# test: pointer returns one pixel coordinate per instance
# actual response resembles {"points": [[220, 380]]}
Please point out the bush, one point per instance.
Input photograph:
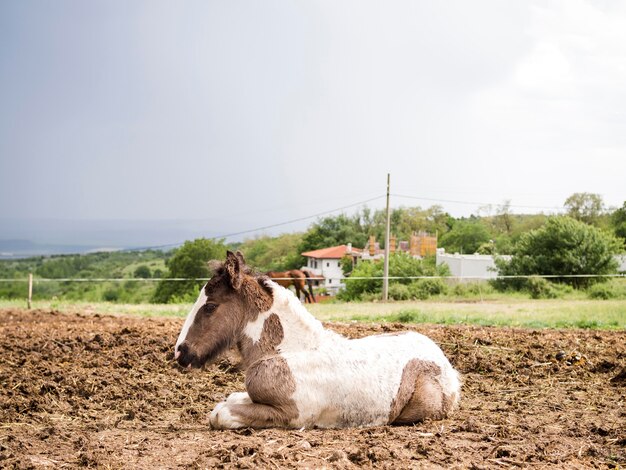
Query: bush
{"points": [[111, 295], [400, 264], [407, 317], [540, 288], [562, 289], [601, 291], [614, 289], [369, 297], [562, 246], [143, 272], [399, 292], [422, 289], [472, 289]]}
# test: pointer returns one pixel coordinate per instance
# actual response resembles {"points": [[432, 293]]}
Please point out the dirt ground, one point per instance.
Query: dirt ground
{"points": [[82, 390]]}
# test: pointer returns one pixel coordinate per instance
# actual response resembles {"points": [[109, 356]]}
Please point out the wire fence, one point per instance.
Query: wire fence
{"points": [[351, 278], [31, 281]]}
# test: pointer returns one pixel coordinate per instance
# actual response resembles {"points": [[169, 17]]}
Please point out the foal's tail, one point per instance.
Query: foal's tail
{"points": [[309, 283]]}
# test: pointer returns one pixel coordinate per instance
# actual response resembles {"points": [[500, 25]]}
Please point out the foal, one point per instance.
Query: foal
{"points": [[298, 373]]}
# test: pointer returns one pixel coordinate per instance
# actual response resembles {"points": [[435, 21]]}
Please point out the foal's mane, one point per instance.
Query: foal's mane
{"points": [[255, 287], [216, 269]]}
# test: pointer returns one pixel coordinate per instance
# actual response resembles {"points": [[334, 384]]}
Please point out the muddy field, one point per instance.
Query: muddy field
{"points": [[103, 391]]}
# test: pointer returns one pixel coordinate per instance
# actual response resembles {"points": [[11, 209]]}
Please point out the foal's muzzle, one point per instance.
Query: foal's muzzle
{"points": [[182, 355], [187, 358]]}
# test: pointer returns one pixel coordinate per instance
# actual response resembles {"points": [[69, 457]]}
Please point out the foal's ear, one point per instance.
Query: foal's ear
{"points": [[239, 255], [234, 270]]}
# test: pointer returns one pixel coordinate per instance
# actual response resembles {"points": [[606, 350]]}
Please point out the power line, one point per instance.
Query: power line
{"points": [[280, 224], [474, 203], [301, 218]]}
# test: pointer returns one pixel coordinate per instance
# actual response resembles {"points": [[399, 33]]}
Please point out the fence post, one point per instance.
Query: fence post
{"points": [[30, 289]]}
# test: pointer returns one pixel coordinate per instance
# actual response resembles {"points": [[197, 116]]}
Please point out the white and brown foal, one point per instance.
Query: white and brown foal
{"points": [[299, 374]]}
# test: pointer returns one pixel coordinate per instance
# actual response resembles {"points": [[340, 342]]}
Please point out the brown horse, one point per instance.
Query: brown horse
{"points": [[296, 278]]}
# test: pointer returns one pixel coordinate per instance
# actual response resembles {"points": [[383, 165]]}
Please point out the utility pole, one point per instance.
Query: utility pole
{"points": [[30, 290], [386, 271]]}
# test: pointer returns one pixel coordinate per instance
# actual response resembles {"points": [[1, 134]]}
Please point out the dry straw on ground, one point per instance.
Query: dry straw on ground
{"points": [[103, 391]]}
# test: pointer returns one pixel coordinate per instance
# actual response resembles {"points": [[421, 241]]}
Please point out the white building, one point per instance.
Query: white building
{"points": [[482, 266], [473, 266], [327, 264]]}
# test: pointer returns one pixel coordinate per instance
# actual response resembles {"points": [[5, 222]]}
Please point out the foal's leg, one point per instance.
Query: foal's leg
{"points": [[270, 388], [254, 415], [420, 395], [427, 401], [238, 398]]}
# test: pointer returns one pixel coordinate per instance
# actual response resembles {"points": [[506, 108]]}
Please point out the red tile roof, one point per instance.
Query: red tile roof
{"points": [[334, 252]]}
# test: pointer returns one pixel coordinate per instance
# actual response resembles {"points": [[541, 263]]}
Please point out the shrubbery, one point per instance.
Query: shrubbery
{"points": [[540, 288], [472, 289], [142, 272], [610, 290], [81, 266], [400, 265], [563, 246], [399, 292], [422, 289], [601, 291]]}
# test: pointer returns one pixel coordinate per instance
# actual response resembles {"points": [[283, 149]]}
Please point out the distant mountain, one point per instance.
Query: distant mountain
{"points": [[16, 245], [12, 249], [28, 237]]}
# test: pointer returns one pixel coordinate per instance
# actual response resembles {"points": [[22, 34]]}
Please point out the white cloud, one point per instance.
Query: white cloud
{"points": [[558, 120]]}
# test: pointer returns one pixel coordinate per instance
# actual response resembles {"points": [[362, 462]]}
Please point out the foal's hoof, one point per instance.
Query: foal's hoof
{"points": [[239, 398], [221, 418]]}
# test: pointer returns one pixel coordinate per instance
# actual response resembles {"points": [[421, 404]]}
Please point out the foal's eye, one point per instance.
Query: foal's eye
{"points": [[209, 308]]}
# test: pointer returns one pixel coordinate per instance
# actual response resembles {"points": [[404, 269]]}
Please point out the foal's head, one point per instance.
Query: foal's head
{"points": [[231, 298]]}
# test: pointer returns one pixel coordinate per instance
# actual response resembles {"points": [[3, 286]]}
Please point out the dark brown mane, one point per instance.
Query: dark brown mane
{"points": [[216, 268], [255, 286]]}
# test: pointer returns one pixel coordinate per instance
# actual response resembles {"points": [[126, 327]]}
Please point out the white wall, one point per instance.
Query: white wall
{"points": [[330, 269], [483, 265]]}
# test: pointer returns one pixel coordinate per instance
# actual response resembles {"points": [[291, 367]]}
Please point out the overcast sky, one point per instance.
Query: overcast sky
{"points": [[256, 112]]}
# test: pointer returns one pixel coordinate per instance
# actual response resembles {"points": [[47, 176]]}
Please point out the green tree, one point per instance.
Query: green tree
{"points": [[504, 219], [347, 265], [189, 261], [414, 219], [273, 253], [356, 229], [466, 236], [523, 223], [333, 231], [618, 221], [142, 271], [586, 207], [563, 246]]}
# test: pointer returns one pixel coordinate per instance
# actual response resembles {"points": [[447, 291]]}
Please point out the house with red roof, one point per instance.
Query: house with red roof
{"points": [[326, 263]]}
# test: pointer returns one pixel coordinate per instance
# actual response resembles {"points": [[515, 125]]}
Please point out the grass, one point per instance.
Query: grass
{"points": [[502, 311], [110, 308], [528, 313]]}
